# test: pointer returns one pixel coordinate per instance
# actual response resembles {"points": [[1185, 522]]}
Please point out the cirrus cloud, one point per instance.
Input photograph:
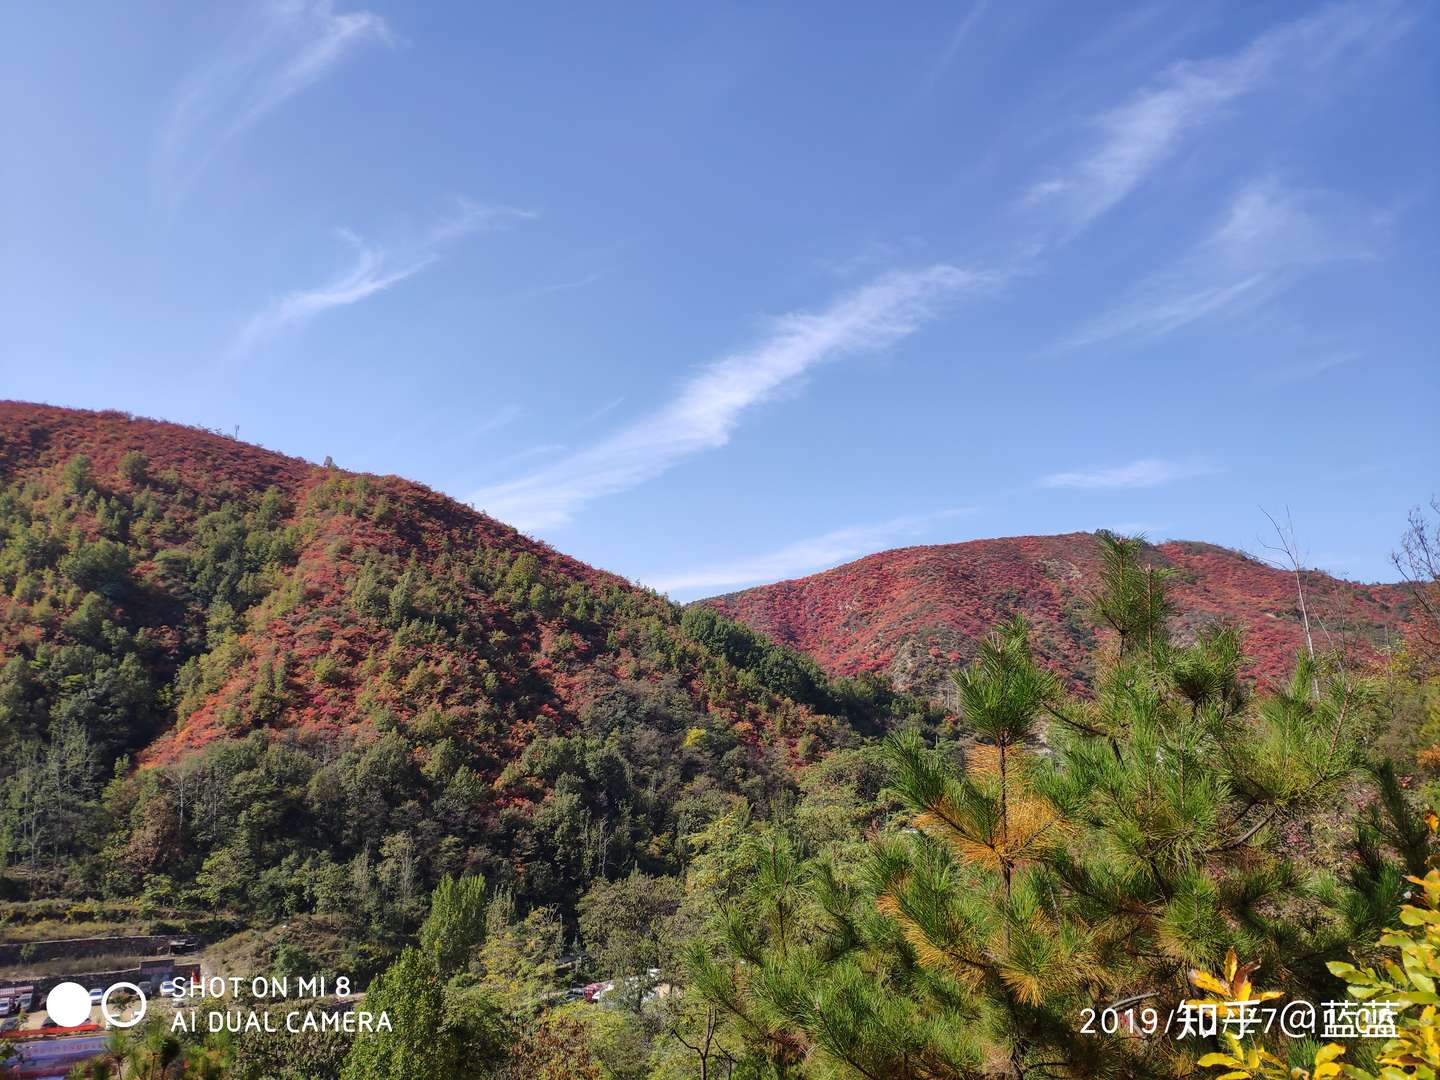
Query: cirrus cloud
{"points": [[709, 405], [804, 556], [1146, 472], [373, 270], [285, 47], [1136, 137]]}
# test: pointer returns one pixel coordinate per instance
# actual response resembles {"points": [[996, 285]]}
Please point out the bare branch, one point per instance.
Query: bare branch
{"points": [[1290, 550]]}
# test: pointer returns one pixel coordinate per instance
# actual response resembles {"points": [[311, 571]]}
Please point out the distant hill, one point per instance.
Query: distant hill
{"points": [[915, 613]]}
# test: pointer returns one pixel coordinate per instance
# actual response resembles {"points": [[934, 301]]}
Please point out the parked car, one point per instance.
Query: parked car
{"points": [[596, 990]]}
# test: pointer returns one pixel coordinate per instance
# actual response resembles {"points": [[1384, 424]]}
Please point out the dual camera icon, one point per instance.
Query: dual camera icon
{"points": [[69, 1004]]}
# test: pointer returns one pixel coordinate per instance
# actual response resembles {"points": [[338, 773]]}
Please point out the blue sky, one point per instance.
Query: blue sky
{"points": [[710, 295]]}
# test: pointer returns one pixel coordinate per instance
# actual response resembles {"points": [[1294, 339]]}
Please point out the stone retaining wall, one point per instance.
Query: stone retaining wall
{"points": [[25, 952]]}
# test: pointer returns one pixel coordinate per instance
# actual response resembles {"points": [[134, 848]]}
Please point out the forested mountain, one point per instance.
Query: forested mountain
{"points": [[340, 686], [560, 827], [916, 613]]}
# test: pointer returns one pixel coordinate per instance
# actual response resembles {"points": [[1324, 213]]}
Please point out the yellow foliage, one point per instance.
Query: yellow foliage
{"points": [[929, 953], [1407, 984], [1005, 833], [1234, 988], [1246, 1061], [1415, 1050]]}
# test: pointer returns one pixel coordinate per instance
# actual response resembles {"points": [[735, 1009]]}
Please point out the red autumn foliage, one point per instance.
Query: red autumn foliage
{"points": [[914, 613], [515, 641]]}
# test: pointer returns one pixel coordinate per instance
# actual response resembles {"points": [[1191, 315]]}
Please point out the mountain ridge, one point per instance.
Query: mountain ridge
{"points": [[914, 612]]}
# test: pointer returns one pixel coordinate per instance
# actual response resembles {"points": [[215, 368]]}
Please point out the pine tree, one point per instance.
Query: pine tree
{"points": [[1079, 852]]}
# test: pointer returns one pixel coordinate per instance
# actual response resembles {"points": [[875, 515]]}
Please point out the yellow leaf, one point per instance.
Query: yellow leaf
{"points": [[1205, 981], [1218, 1059], [1328, 1053]]}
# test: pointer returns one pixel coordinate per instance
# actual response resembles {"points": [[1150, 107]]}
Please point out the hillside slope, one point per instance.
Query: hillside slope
{"points": [[915, 613], [322, 673]]}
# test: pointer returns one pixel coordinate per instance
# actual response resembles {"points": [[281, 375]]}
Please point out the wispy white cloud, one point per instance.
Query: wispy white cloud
{"points": [[373, 270], [804, 556], [1146, 472], [874, 254], [1265, 241], [285, 47], [369, 274], [506, 414], [560, 286], [1133, 139], [424, 428], [529, 453], [957, 39], [609, 406], [709, 405], [1307, 369]]}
